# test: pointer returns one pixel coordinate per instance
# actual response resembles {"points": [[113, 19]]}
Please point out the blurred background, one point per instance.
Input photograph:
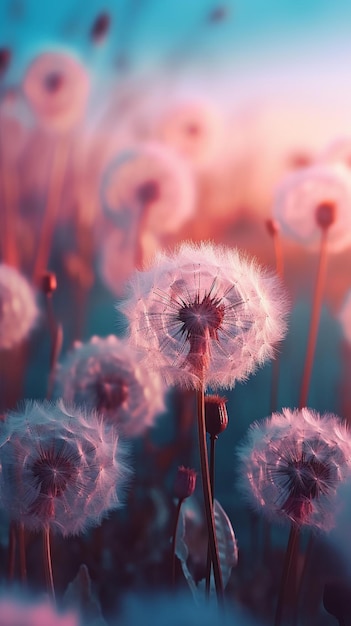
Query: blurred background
{"points": [[199, 109]]}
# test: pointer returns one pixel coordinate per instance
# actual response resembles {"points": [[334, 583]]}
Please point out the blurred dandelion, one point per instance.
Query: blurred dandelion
{"points": [[314, 205], [206, 312], [314, 198], [292, 464], [148, 189], [17, 611], [106, 374], [18, 308], [56, 86], [193, 129]]}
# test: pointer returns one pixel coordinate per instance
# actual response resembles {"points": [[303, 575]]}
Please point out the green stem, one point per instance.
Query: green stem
{"points": [[208, 494]]}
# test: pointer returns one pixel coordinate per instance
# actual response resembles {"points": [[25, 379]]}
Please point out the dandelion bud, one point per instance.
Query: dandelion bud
{"points": [[325, 214], [185, 482], [272, 227], [5, 58], [100, 27], [218, 14], [49, 283], [216, 416]]}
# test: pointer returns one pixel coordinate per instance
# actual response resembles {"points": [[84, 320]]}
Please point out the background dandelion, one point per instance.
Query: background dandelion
{"points": [[106, 375], [19, 311]]}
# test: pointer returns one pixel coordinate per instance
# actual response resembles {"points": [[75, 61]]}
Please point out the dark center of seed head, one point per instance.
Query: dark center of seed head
{"points": [[148, 192], [53, 82], [304, 480], [192, 129], [325, 214], [110, 394], [201, 318], [53, 471]]}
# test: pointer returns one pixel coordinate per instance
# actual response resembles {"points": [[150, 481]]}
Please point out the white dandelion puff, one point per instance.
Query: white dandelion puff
{"points": [[206, 311]]}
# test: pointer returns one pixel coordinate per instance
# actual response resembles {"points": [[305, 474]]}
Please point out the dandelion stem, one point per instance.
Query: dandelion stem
{"points": [[213, 440], [176, 521], [22, 552], [315, 316], [52, 206], [12, 552], [208, 494], [48, 562], [9, 184], [55, 331], [290, 557]]}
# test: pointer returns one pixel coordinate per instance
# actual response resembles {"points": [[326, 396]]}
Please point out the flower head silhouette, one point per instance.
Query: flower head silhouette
{"points": [[57, 87], [205, 314], [60, 467], [105, 374], [292, 464], [18, 308], [314, 198]]}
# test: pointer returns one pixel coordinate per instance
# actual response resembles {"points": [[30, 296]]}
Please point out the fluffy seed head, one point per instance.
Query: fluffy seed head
{"points": [[105, 374], [292, 464], [60, 467], [18, 308], [315, 198], [205, 311]]}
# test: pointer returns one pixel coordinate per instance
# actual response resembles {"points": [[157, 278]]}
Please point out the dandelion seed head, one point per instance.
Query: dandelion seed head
{"points": [[292, 464], [152, 183], [57, 87], [60, 467], [18, 308], [205, 310], [316, 198], [106, 374]]}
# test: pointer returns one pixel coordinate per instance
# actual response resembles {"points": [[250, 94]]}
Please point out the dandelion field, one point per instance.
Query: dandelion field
{"points": [[175, 313]]}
